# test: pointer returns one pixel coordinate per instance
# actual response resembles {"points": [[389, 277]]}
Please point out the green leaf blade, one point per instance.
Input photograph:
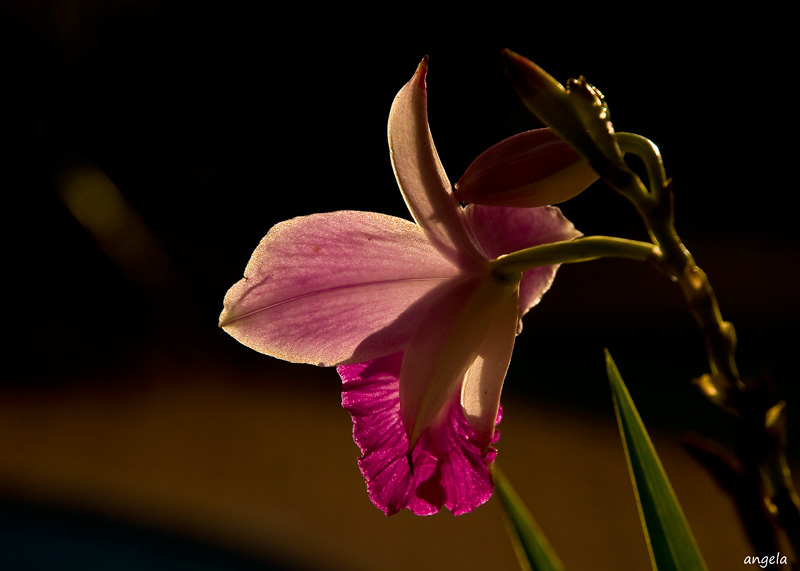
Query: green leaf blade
{"points": [[669, 538], [533, 550]]}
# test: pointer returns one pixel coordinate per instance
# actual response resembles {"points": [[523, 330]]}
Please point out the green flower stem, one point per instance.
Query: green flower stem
{"points": [[578, 250], [581, 117], [656, 208], [647, 150], [763, 441]]}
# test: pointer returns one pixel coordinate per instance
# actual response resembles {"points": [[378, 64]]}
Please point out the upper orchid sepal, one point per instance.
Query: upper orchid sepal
{"points": [[531, 169], [421, 177]]}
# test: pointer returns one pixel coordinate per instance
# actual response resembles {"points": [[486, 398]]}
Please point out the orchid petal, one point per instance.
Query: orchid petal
{"points": [[318, 288], [483, 382], [466, 475], [420, 326], [445, 345], [534, 168], [420, 174], [449, 468], [503, 230]]}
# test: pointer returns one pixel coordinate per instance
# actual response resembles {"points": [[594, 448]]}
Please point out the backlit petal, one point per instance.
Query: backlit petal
{"points": [[449, 467], [330, 288], [483, 382], [446, 345], [420, 174], [534, 168], [503, 230]]}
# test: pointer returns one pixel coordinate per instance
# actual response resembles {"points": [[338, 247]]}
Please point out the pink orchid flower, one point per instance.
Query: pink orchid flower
{"points": [[414, 314]]}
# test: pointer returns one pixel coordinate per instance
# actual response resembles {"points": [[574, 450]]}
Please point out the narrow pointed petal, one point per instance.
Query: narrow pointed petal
{"points": [[449, 468], [445, 346], [483, 382], [535, 168], [503, 230], [420, 174], [329, 288]]}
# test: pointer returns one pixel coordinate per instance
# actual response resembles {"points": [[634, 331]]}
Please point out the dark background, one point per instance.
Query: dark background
{"points": [[214, 122]]}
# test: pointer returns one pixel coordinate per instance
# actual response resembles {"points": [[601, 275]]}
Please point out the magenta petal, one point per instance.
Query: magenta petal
{"points": [[449, 467], [503, 230], [329, 288]]}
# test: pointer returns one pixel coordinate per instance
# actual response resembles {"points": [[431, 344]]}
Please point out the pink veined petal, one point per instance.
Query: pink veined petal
{"points": [[421, 176], [449, 467], [446, 344], [331, 288], [503, 230], [534, 168]]}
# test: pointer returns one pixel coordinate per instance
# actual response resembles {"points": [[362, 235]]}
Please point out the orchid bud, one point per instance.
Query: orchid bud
{"points": [[578, 113], [535, 168], [591, 106]]}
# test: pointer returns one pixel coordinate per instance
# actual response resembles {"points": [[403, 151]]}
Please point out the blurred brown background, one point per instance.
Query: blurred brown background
{"points": [[150, 144]]}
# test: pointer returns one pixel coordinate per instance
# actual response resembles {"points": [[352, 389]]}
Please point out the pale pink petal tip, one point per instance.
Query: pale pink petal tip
{"points": [[318, 288], [449, 468]]}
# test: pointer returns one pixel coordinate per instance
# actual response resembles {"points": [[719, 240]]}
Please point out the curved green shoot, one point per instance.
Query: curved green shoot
{"points": [[531, 546], [669, 539]]}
